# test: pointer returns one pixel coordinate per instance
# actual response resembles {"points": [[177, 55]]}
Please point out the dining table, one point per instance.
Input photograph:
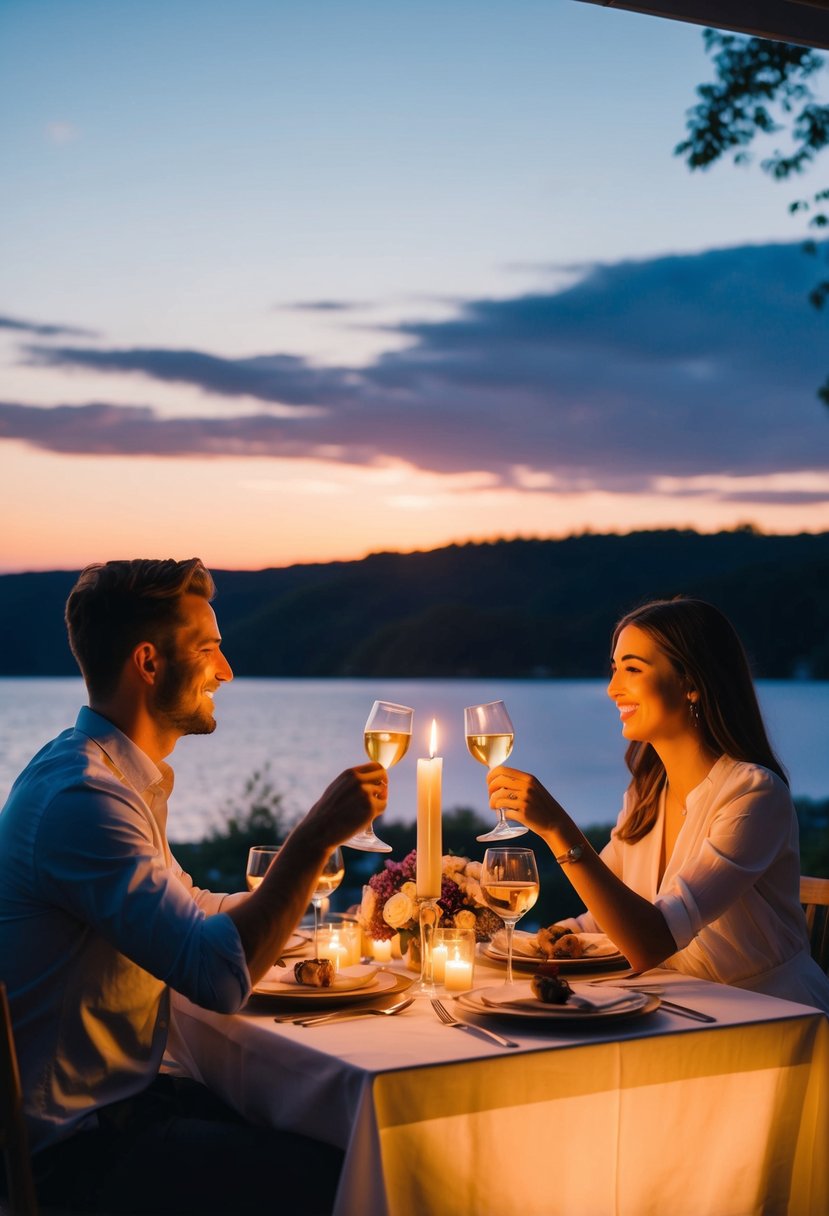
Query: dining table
{"points": [[640, 1115]]}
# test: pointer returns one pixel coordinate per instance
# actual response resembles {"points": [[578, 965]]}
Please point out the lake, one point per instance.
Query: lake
{"points": [[306, 731]]}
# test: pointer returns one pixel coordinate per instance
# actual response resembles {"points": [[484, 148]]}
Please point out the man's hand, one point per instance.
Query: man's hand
{"points": [[269, 915], [349, 804]]}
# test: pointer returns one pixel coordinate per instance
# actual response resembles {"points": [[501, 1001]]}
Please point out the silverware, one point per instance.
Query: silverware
{"points": [[342, 1015], [447, 1019], [684, 1011], [670, 1006]]}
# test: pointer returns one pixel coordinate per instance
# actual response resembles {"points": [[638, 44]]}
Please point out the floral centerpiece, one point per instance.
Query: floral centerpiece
{"points": [[390, 908]]}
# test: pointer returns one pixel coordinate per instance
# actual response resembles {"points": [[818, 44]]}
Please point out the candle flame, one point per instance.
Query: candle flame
{"points": [[433, 739]]}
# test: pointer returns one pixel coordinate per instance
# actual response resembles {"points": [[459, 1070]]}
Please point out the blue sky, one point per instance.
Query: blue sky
{"points": [[331, 277]]}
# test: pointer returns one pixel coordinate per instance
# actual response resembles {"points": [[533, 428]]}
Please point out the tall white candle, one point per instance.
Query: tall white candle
{"points": [[429, 840]]}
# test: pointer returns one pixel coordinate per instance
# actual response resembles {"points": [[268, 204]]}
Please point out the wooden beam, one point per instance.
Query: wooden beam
{"points": [[805, 22]]}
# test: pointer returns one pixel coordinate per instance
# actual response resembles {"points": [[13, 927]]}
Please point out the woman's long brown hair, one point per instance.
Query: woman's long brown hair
{"points": [[705, 650]]}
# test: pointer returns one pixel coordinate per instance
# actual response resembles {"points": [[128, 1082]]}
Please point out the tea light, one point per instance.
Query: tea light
{"points": [[439, 956], [457, 975], [381, 949], [335, 950]]}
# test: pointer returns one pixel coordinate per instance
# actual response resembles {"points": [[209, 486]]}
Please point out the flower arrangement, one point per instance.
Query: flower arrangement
{"points": [[390, 907]]}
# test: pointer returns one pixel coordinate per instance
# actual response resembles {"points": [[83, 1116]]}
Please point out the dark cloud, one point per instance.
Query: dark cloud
{"points": [[320, 306], [42, 330], [679, 366]]}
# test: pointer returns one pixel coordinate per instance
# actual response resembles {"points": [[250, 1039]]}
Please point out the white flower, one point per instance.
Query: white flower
{"points": [[473, 893], [410, 889], [369, 905], [465, 919], [473, 870], [453, 865], [398, 910]]}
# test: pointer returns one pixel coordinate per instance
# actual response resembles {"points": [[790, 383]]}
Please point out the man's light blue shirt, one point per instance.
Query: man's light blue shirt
{"points": [[97, 922]]}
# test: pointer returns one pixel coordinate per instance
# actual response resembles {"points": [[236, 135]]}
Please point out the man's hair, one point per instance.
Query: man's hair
{"points": [[114, 606]]}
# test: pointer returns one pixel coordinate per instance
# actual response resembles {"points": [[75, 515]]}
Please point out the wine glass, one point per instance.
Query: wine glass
{"points": [[330, 877], [387, 735], [509, 886], [259, 858], [489, 737]]}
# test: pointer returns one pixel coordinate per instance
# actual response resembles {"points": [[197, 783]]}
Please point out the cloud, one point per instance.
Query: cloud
{"points": [[42, 330], [62, 132], [678, 366], [320, 306]]}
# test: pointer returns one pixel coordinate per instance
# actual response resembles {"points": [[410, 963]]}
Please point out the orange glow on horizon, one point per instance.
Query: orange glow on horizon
{"points": [[249, 514]]}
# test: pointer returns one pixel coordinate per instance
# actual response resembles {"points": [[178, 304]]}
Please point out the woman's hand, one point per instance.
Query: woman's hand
{"points": [[524, 798]]}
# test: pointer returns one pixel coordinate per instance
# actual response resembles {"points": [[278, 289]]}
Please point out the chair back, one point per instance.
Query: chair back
{"points": [[814, 896], [13, 1136]]}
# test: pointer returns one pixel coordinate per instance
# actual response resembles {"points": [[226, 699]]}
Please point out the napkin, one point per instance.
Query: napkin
{"points": [[345, 980], [583, 998], [525, 945]]}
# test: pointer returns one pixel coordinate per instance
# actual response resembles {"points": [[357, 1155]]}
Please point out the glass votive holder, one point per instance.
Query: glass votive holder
{"points": [[331, 944], [351, 937], [453, 958]]}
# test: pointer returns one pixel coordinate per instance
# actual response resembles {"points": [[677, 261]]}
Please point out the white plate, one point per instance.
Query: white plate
{"points": [[296, 943], [588, 962], [344, 988], [476, 1002]]}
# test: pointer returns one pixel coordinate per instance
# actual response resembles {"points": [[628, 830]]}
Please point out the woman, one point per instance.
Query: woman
{"points": [[702, 870]]}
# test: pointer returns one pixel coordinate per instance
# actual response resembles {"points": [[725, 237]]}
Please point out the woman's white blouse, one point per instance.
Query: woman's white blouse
{"points": [[730, 891]]}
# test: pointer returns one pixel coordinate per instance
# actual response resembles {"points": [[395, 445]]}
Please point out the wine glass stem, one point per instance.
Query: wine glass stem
{"points": [[510, 924], [316, 904]]}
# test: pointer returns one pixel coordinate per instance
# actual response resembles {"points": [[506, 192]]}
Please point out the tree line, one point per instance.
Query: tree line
{"points": [[505, 609]]}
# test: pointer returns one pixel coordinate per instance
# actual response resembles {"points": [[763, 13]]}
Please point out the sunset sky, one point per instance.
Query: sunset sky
{"points": [[296, 280]]}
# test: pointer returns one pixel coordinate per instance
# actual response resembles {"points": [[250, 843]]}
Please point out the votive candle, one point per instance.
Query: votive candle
{"points": [[457, 975], [439, 956], [381, 949]]}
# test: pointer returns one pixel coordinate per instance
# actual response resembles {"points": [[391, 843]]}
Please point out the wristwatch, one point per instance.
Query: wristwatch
{"points": [[572, 855]]}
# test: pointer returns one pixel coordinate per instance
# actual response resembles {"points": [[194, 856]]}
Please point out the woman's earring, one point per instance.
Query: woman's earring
{"points": [[693, 710]]}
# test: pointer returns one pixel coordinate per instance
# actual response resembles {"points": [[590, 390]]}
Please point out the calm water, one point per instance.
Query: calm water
{"points": [[307, 730]]}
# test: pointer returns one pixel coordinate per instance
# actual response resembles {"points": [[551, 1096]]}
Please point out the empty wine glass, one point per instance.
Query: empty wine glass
{"points": [[489, 737], [387, 735], [329, 879], [509, 886], [259, 858]]}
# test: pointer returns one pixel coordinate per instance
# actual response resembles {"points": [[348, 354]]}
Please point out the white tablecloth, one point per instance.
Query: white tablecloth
{"points": [[656, 1116]]}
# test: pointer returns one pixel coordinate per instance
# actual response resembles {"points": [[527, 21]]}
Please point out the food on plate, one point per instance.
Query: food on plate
{"points": [[549, 987], [557, 942], [316, 972]]}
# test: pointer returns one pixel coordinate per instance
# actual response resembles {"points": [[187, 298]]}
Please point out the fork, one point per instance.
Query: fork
{"points": [[447, 1019]]}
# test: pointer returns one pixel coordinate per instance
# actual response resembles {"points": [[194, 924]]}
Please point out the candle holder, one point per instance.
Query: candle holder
{"points": [[453, 958], [428, 916]]}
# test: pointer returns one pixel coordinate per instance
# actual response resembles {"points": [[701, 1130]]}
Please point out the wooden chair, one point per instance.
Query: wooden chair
{"points": [[814, 895], [13, 1137]]}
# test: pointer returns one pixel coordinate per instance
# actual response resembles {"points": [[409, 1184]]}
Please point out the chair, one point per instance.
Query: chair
{"points": [[814, 896], [13, 1137]]}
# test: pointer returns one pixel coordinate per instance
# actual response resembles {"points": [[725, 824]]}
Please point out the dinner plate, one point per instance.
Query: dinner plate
{"points": [[382, 984], [589, 962], [475, 1002], [296, 943]]}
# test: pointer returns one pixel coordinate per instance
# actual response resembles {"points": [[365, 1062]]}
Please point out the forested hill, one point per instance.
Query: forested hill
{"points": [[510, 608]]}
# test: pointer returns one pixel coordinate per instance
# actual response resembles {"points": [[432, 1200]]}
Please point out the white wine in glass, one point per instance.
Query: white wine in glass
{"points": [[387, 735], [329, 879], [489, 737], [259, 859], [509, 886]]}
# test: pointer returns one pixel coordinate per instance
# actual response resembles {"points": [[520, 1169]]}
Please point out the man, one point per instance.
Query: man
{"points": [[98, 922]]}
